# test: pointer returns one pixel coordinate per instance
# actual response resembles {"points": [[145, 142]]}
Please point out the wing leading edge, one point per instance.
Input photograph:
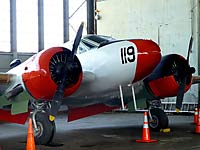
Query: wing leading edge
{"points": [[13, 97]]}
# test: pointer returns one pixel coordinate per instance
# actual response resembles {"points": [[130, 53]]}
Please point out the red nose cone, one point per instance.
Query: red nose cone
{"points": [[148, 58]]}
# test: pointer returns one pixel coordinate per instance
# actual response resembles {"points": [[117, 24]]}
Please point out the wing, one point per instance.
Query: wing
{"points": [[195, 79], [5, 81], [13, 97]]}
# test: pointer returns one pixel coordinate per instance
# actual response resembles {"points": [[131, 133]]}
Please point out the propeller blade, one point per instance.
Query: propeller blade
{"points": [[77, 40], [56, 102], [58, 96], [180, 94], [189, 48]]}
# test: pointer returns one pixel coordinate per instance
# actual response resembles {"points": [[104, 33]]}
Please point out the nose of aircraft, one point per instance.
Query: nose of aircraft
{"points": [[148, 57]]}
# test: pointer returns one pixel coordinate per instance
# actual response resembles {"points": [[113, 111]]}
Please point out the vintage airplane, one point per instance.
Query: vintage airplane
{"points": [[87, 82]]}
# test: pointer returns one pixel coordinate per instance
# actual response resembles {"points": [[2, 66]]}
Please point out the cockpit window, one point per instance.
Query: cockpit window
{"points": [[93, 41]]}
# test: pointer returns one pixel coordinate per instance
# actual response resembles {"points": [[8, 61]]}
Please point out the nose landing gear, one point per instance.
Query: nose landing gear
{"points": [[44, 129]]}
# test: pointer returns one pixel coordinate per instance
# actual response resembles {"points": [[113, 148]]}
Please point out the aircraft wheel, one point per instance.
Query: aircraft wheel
{"points": [[159, 119], [46, 129]]}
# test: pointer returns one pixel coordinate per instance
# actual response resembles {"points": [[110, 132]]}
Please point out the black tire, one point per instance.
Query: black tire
{"points": [[159, 119], [46, 128]]}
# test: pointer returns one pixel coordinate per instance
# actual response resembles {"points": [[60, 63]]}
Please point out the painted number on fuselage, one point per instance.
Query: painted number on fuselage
{"points": [[127, 54]]}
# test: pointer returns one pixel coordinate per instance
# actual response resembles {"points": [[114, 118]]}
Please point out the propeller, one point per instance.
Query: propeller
{"points": [[64, 73], [77, 40], [184, 72], [189, 49]]}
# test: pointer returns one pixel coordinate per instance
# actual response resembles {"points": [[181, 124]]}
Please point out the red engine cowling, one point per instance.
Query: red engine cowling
{"points": [[43, 72], [166, 87]]}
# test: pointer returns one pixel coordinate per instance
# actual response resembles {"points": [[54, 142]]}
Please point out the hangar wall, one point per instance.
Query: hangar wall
{"points": [[26, 27], [169, 23], [6, 58]]}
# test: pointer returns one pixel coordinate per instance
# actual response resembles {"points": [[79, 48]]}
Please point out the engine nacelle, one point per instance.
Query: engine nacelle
{"points": [[165, 87], [165, 79], [43, 72]]}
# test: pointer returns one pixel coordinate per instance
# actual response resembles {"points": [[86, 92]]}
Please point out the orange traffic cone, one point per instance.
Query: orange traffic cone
{"points": [[145, 132], [30, 143], [195, 115], [198, 122]]}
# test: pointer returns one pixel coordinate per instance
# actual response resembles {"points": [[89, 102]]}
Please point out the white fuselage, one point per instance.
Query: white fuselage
{"points": [[106, 65]]}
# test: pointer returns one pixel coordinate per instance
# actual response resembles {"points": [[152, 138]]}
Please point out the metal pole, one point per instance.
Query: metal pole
{"points": [[198, 47], [13, 27], [66, 20], [95, 21], [134, 100], [40, 25], [90, 16], [121, 95]]}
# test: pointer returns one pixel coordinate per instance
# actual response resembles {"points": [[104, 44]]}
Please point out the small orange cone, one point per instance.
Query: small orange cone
{"points": [[195, 115], [30, 143], [145, 132], [198, 122]]}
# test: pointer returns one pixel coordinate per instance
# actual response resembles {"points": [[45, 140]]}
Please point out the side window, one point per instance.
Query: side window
{"points": [[88, 44], [81, 49]]}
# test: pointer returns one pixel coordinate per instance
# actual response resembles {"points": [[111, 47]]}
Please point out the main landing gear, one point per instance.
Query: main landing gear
{"points": [[157, 117]]}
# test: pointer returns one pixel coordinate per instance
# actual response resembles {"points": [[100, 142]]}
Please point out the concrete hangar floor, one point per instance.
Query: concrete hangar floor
{"points": [[109, 131]]}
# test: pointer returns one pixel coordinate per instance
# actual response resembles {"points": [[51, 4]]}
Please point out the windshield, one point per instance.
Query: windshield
{"points": [[93, 41]]}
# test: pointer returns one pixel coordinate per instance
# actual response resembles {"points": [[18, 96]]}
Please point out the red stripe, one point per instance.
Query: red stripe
{"points": [[81, 112], [8, 117]]}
